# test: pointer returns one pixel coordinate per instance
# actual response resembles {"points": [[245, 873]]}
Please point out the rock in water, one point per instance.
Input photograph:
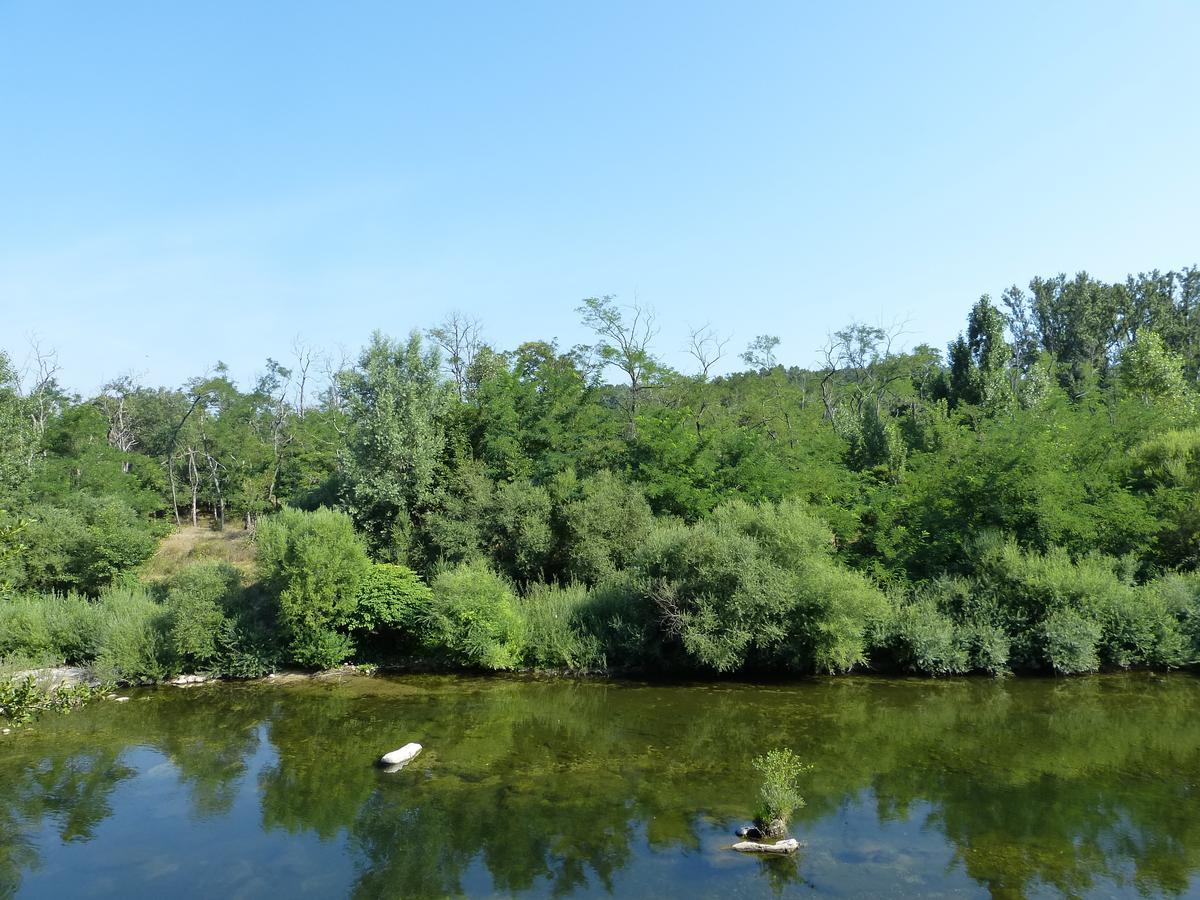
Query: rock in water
{"points": [[791, 845], [401, 756]]}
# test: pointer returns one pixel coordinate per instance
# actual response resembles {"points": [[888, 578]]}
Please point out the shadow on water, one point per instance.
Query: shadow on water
{"points": [[556, 788]]}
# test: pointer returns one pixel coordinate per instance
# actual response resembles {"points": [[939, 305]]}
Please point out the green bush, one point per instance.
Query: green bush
{"points": [[313, 562], [757, 587], [520, 537], [779, 795], [603, 525], [988, 646], [555, 625], [391, 597], [317, 647], [926, 640], [1069, 642], [1180, 595], [134, 637], [197, 599], [473, 619], [83, 546], [60, 627], [625, 623], [1078, 615]]}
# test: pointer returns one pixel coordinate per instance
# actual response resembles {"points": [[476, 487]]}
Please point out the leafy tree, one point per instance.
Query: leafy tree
{"points": [[396, 404], [1154, 375]]}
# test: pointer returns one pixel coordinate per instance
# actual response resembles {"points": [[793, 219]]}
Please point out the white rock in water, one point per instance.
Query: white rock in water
{"points": [[791, 845], [403, 755]]}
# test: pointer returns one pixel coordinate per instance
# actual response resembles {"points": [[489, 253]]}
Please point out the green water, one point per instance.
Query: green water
{"points": [[1088, 787]]}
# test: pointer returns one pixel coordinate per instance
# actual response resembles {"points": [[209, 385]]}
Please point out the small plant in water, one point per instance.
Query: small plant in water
{"points": [[779, 796]]}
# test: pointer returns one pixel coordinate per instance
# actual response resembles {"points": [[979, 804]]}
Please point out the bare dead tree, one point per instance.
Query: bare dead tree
{"points": [[41, 390], [459, 337], [332, 366], [277, 385], [706, 347], [114, 402], [304, 356], [193, 481]]}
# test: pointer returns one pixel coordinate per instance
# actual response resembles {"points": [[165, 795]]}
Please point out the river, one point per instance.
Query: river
{"points": [[559, 788]]}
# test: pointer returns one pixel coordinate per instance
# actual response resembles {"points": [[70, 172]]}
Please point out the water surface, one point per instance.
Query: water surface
{"points": [[959, 788]]}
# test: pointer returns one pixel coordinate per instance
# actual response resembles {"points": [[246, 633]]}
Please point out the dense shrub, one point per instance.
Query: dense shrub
{"points": [[924, 639], [1077, 615], [53, 627], [134, 636], [1180, 596], [520, 537], [626, 623], [313, 563], [756, 587], [473, 619], [603, 523], [390, 597], [197, 598], [556, 626], [1069, 640], [83, 546]]}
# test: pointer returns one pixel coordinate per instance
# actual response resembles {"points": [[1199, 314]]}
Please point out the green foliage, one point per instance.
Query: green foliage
{"points": [[756, 587], [779, 795], [926, 640], [473, 620], [1038, 482], [558, 633], [313, 562], [58, 627], [604, 521], [521, 539], [390, 598], [84, 545], [1069, 642], [1154, 375], [397, 402], [197, 599], [22, 700], [134, 637]]}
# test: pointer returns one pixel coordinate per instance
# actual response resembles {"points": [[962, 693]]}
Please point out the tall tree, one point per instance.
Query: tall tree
{"points": [[624, 340], [396, 403]]}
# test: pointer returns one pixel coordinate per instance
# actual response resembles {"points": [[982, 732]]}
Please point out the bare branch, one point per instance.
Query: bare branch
{"points": [[706, 347]]}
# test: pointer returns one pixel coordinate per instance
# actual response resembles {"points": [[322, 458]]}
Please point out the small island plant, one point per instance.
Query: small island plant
{"points": [[779, 795]]}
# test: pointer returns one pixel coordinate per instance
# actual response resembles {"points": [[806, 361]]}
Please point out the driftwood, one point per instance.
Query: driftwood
{"points": [[791, 845]]}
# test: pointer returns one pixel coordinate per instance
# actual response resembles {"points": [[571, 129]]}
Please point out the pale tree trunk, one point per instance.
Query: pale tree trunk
{"points": [[174, 497]]}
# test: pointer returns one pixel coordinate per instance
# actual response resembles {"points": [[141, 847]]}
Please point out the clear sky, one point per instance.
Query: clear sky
{"points": [[187, 182]]}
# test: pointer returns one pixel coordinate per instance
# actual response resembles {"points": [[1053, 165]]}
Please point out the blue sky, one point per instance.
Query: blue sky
{"points": [[182, 183]]}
